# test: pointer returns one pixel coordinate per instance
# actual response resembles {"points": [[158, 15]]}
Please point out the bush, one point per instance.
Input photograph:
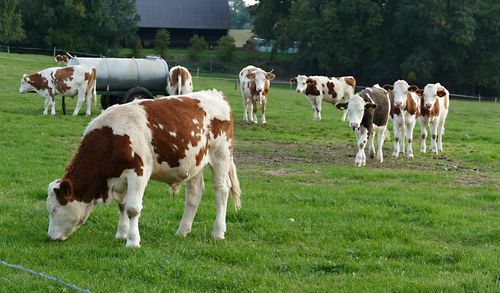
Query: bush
{"points": [[225, 48], [136, 46], [197, 45], [162, 40]]}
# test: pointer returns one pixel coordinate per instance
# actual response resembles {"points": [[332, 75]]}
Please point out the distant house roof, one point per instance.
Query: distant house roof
{"points": [[192, 14]]}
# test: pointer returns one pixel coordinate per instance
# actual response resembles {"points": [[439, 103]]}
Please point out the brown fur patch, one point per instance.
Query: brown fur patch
{"points": [[100, 156], [181, 113], [61, 77], [331, 89], [429, 113], [350, 80], [37, 81], [175, 77], [312, 88], [411, 107]]}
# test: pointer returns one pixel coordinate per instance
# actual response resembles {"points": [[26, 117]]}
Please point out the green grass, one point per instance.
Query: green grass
{"points": [[311, 221]]}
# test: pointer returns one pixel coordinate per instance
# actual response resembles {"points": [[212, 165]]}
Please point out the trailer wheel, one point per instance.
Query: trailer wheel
{"points": [[136, 93], [109, 100]]}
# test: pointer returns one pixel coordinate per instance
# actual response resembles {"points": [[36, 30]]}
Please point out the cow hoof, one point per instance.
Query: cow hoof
{"points": [[410, 156], [218, 235], [132, 244], [395, 155], [120, 235], [182, 232]]}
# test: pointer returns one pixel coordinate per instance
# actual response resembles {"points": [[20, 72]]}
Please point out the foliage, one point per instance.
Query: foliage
{"points": [[197, 45], [162, 40], [310, 222], [225, 48], [136, 45], [10, 22], [454, 42], [91, 26], [240, 16]]}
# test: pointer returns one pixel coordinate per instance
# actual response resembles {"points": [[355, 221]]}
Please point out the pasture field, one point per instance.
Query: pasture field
{"points": [[310, 220]]}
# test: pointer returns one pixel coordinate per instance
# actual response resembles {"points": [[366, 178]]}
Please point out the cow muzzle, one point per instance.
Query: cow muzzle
{"points": [[428, 105], [354, 126], [56, 237]]}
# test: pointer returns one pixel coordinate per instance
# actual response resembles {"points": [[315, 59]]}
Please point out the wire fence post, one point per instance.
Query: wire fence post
{"points": [[479, 98], [54, 52], [197, 72], [8, 49]]}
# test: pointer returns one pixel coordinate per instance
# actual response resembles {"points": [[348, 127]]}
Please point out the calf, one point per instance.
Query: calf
{"points": [[61, 59], [180, 81], [368, 111], [169, 139], [405, 108], [255, 84], [68, 81], [318, 88], [435, 100]]}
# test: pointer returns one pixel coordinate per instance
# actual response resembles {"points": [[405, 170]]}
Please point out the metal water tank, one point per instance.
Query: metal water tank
{"points": [[122, 74]]}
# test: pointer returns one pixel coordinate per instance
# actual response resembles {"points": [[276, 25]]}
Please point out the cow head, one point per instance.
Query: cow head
{"points": [[431, 93], [400, 90], [356, 110], [301, 81], [261, 79], [65, 213], [25, 84]]}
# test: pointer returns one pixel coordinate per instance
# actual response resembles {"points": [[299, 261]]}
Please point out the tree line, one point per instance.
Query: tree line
{"points": [[455, 42]]}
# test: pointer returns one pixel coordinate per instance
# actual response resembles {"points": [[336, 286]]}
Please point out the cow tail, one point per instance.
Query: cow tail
{"points": [[235, 185], [94, 87], [179, 82]]}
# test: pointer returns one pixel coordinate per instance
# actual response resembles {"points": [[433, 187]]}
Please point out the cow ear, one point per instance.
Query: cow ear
{"points": [[413, 88], [388, 87], [441, 93], [370, 106], [64, 192], [293, 80], [419, 92], [270, 75], [251, 75], [341, 106]]}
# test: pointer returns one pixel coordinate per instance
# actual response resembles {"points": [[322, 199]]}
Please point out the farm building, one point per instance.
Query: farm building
{"points": [[183, 19]]}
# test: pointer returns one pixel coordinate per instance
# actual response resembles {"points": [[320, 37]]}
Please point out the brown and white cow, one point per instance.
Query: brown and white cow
{"points": [[404, 112], [321, 88], [170, 139], [61, 59], [368, 112], [255, 84], [67, 81], [180, 81], [435, 102]]}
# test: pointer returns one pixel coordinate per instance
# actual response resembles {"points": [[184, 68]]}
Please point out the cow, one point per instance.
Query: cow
{"points": [[68, 81], [61, 59], [435, 101], [368, 112], [180, 81], [318, 88], [170, 139], [404, 112], [255, 84]]}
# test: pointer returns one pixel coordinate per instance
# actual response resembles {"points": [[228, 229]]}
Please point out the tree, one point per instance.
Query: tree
{"points": [[240, 16], [10, 22], [135, 44], [225, 48], [162, 40], [197, 45]]}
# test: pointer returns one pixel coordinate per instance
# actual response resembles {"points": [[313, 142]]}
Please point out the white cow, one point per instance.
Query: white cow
{"points": [[129, 144], [435, 101], [179, 81], [68, 81], [255, 84], [321, 88], [404, 112]]}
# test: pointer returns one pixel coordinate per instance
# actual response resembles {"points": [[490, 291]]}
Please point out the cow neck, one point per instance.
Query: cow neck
{"points": [[101, 155], [411, 106]]}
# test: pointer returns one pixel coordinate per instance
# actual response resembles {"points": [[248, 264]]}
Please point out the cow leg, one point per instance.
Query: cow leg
{"points": [[254, 111], [46, 105], [194, 191], [79, 103], [433, 128], [89, 98], [221, 183], [423, 134], [397, 133], [371, 148], [245, 109], [362, 139], [133, 207], [264, 103], [440, 132], [52, 105], [381, 137], [123, 223], [410, 125], [313, 106], [318, 107]]}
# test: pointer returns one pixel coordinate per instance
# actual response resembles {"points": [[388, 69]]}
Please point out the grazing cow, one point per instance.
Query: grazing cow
{"points": [[318, 88], [61, 59], [169, 139], [255, 84], [435, 100], [68, 81], [404, 112], [180, 81], [368, 111]]}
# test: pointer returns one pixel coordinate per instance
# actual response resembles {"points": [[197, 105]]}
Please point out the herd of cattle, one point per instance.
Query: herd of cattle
{"points": [[171, 139]]}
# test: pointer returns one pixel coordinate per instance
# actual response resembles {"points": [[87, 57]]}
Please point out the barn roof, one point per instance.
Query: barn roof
{"points": [[192, 14]]}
